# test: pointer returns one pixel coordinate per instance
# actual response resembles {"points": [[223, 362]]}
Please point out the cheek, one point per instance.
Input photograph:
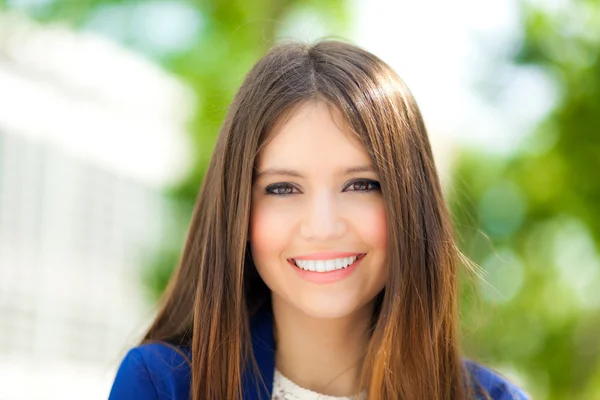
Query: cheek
{"points": [[268, 233], [371, 224]]}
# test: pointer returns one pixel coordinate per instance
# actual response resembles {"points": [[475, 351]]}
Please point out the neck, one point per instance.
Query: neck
{"points": [[322, 355]]}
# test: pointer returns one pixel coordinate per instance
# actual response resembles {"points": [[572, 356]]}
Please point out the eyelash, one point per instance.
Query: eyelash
{"points": [[270, 189]]}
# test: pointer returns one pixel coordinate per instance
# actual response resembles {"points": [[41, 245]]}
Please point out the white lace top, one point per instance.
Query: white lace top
{"points": [[285, 389]]}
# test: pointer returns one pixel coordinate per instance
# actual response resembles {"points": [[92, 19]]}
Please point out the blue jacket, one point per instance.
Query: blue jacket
{"points": [[157, 371]]}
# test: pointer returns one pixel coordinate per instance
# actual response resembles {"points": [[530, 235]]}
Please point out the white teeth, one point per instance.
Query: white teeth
{"points": [[320, 266], [329, 265], [325, 265]]}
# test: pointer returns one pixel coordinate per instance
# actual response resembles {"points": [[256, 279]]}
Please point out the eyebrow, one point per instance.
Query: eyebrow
{"points": [[294, 173]]}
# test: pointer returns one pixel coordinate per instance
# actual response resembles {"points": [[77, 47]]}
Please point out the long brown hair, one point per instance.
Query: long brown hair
{"points": [[414, 352]]}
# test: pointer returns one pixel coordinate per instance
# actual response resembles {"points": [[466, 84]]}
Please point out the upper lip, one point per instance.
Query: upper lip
{"points": [[329, 255]]}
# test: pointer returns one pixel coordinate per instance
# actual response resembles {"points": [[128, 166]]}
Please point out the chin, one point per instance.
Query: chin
{"points": [[329, 307]]}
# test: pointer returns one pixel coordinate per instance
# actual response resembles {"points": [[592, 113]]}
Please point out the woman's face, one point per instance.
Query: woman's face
{"points": [[318, 224]]}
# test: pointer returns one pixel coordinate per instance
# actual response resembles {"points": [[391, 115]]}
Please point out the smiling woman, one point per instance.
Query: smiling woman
{"points": [[320, 261], [318, 208]]}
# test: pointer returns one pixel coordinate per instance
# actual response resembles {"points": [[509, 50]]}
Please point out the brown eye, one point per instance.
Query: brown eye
{"points": [[279, 189], [364, 185], [360, 186]]}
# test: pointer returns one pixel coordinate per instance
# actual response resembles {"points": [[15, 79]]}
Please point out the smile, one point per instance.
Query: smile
{"points": [[326, 265]]}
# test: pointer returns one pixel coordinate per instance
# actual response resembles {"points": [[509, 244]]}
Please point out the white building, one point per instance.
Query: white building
{"points": [[88, 134]]}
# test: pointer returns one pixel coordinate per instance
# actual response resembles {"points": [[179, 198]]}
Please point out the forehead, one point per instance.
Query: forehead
{"points": [[314, 133]]}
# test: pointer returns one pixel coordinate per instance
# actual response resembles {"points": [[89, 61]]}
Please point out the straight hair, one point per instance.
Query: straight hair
{"points": [[414, 350]]}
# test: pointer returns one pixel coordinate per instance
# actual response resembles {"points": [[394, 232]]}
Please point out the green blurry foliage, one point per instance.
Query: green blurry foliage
{"points": [[532, 220]]}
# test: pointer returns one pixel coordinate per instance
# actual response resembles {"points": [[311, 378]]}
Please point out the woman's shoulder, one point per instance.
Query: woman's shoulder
{"points": [[153, 371], [497, 386]]}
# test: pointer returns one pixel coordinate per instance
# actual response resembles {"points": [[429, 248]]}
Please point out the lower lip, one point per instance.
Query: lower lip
{"points": [[326, 277]]}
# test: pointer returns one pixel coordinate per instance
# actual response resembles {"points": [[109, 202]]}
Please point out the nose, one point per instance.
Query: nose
{"points": [[322, 219]]}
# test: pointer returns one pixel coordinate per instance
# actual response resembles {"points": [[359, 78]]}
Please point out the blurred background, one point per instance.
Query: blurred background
{"points": [[109, 111]]}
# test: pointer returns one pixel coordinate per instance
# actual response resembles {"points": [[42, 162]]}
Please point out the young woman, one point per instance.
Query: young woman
{"points": [[320, 260]]}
